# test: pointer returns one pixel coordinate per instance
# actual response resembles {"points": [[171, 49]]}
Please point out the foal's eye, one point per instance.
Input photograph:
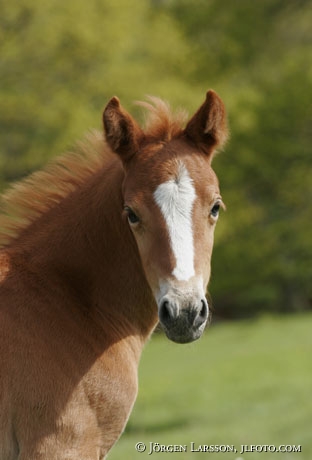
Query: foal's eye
{"points": [[215, 210], [132, 217]]}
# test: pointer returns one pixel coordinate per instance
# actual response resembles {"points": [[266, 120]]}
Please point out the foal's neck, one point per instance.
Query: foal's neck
{"points": [[85, 247]]}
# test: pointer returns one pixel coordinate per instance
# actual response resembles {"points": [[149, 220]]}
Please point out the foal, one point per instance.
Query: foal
{"points": [[96, 249]]}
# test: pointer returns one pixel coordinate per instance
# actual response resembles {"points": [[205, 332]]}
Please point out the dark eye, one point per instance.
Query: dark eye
{"points": [[215, 210], [132, 217]]}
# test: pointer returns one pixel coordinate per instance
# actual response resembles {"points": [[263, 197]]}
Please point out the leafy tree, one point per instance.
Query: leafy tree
{"points": [[61, 61], [257, 53]]}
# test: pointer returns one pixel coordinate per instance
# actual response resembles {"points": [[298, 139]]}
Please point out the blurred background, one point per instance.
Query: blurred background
{"points": [[62, 61]]}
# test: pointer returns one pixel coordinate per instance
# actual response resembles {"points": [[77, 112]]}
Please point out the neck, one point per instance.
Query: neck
{"points": [[86, 250]]}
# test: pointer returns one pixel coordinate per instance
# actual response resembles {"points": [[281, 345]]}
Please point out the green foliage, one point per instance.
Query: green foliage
{"points": [[244, 382], [61, 61], [257, 53]]}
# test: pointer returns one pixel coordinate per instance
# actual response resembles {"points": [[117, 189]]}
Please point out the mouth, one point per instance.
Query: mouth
{"points": [[181, 332], [183, 313], [182, 339]]}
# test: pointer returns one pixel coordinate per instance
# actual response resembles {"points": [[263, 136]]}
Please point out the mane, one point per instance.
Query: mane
{"points": [[28, 199], [161, 122]]}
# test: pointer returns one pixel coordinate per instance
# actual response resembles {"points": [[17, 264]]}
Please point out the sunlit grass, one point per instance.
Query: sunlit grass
{"points": [[242, 383]]}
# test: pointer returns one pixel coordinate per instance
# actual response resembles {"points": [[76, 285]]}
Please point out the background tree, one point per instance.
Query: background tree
{"points": [[61, 61]]}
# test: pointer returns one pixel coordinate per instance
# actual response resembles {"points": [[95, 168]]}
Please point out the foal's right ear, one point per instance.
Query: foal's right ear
{"points": [[122, 132]]}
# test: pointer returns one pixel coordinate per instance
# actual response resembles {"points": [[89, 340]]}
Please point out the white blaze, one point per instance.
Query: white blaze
{"points": [[175, 199]]}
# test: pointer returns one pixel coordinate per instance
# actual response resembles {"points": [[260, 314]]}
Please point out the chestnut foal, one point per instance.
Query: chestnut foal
{"points": [[96, 248]]}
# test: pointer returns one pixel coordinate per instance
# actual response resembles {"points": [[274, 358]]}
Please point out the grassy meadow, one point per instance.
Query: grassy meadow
{"points": [[246, 382]]}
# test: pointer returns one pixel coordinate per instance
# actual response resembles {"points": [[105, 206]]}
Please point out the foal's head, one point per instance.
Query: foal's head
{"points": [[171, 201]]}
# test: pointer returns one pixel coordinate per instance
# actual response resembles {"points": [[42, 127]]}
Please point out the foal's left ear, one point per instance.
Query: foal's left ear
{"points": [[122, 132], [208, 127]]}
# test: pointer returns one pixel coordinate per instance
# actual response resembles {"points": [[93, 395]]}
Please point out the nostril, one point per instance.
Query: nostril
{"points": [[204, 310], [164, 312], [202, 314], [168, 312]]}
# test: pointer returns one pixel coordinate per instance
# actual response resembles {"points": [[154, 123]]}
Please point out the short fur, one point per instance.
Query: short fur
{"points": [[77, 281]]}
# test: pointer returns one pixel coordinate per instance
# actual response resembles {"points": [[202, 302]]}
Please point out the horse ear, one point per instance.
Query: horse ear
{"points": [[122, 132], [208, 127]]}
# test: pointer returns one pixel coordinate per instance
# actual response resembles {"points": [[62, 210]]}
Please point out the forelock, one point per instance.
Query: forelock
{"points": [[161, 123]]}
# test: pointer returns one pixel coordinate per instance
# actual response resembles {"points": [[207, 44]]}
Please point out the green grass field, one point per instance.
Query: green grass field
{"points": [[245, 383]]}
